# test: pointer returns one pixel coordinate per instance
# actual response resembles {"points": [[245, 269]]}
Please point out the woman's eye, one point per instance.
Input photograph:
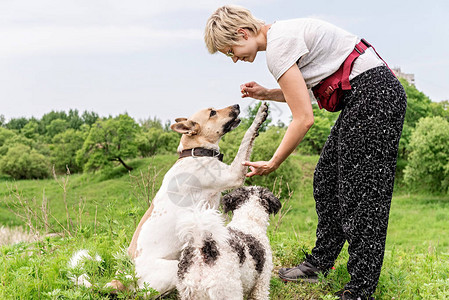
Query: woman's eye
{"points": [[212, 113]]}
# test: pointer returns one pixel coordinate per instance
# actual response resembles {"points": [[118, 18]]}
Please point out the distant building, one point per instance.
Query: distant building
{"points": [[409, 77]]}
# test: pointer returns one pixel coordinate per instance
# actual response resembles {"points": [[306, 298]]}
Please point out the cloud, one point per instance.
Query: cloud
{"points": [[30, 27], [57, 11], [92, 39], [51, 27], [60, 12]]}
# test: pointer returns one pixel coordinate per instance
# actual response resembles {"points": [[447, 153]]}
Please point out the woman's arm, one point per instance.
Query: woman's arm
{"points": [[254, 90], [295, 92]]}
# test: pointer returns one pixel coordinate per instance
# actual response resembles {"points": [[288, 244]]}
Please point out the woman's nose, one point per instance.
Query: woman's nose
{"points": [[235, 59]]}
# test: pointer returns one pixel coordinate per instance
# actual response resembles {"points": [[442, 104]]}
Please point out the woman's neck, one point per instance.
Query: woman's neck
{"points": [[262, 37]]}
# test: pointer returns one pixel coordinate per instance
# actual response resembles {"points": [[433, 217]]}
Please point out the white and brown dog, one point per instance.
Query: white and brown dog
{"points": [[196, 179], [232, 262]]}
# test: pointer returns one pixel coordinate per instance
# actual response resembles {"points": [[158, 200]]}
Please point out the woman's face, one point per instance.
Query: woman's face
{"points": [[246, 50]]}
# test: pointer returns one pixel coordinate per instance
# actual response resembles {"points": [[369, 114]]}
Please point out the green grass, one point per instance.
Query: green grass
{"points": [[419, 222], [416, 264], [97, 190]]}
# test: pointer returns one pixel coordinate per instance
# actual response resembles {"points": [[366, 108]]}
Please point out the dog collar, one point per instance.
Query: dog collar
{"points": [[194, 152]]}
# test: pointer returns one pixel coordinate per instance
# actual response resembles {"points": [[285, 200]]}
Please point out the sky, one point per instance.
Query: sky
{"points": [[148, 58]]}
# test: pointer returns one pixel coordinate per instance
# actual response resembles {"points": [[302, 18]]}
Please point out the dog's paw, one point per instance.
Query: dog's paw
{"points": [[264, 106], [262, 114], [115, 286]]}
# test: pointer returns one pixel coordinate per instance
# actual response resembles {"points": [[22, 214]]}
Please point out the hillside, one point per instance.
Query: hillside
{"points": [[104, 208]]}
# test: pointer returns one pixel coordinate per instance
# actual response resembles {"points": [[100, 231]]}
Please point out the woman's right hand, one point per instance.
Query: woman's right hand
{"points": [[254, 90]]}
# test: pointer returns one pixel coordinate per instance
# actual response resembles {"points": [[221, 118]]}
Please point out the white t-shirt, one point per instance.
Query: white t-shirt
{"points": [[317, 47]]}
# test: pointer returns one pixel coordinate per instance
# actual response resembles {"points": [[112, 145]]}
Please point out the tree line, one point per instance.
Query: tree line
{"points": [[30, 147], [86, 142]]}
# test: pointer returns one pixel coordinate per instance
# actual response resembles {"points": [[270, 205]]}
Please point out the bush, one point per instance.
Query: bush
{"points": [[428, 164], [11, 140], [22, 162], [317, 135]]}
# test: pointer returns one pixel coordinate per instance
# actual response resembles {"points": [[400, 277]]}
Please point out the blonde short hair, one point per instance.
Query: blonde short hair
{"points": [[221, 28]]}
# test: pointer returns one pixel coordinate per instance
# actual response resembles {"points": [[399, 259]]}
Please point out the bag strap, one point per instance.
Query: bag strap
{"points": [[359, 49], [369, 45], [349, 62]]}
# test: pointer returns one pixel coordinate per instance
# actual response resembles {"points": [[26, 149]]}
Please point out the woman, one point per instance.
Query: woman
{"points": [[353, 180]]}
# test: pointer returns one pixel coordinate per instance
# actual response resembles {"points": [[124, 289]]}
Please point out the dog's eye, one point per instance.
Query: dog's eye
{"points": [[212, 113]]}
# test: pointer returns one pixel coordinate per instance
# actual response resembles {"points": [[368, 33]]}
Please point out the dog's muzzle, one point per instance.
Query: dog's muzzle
{"points": [[235, 121]]}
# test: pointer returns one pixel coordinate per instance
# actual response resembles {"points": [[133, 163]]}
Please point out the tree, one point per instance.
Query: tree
{"points": [[149, 123], [31, 129], [428, 163], [440, 109], [157, 141], [74, 120], [22, 162], [5, 135], [64, 148], [55, 127], [111, 139], [89, 118], [418, 106], [17, 123], [47, 118]]}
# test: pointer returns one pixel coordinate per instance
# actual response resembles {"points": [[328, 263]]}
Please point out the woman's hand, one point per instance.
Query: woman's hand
{"points": [[254, 90], [260, 167]]}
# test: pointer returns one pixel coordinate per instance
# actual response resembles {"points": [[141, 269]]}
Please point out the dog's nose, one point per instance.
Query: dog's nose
{"points": [[236, 106]]}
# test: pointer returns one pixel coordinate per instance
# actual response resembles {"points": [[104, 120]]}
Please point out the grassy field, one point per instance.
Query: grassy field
{"points": [[105, 207]]}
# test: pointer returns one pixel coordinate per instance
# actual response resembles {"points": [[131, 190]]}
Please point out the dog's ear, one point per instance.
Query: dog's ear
{"points": [[270, 201], [234, 199], [184, 126]]}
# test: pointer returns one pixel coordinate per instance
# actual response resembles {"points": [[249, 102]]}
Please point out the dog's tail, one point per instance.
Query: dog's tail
{"points": [[199, 224]]}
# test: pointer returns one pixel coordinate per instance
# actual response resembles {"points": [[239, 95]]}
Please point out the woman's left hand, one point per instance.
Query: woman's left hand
{"points": [[260, 167]]}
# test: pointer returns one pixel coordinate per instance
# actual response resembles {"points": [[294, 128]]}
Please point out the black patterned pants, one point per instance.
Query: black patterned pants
{"points": [[354, 178]]}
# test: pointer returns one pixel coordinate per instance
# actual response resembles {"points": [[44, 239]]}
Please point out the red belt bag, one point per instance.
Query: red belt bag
{"points": [[329, 91]]}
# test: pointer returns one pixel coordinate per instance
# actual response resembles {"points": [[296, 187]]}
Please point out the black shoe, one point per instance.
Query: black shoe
{"points": [[303, 272], [347, 295]]}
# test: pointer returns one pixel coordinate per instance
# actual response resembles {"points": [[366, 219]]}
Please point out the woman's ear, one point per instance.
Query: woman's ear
{"points": [[243, 32]]}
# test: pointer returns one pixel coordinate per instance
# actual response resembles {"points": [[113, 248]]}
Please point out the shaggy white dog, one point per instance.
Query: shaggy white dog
{"points": [[231, 262]]}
